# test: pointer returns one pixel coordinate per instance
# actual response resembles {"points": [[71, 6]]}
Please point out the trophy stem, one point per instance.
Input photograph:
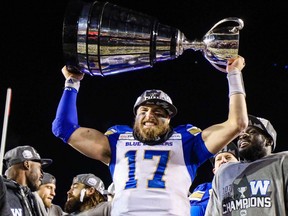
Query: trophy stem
{"points": [[184, 44], [194, 45]]}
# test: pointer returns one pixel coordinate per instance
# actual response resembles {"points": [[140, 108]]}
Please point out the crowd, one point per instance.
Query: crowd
{"points": [[26, 190], [153, 164]]}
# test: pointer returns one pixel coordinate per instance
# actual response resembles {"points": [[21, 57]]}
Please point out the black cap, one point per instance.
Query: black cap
{"points": [[90, 180], [48, 179], [230, 148], [24, 153], [265, 126], [156, 97]]}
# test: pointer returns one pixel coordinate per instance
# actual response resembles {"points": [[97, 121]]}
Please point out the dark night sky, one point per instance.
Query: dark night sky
{"points": [[32, 58]]}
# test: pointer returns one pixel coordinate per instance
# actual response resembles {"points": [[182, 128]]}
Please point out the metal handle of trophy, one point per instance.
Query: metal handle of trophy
{"points": [[229, 19], [222, 43]]}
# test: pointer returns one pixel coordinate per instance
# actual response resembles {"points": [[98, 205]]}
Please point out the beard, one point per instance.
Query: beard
{"points": [[33, 186], [150, 134], [33, 182], [72, 205], [253, 152], [47, 203]]}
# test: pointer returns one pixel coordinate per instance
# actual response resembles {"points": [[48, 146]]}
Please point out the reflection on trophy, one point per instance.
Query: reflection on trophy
{"points": [[100, 38]]}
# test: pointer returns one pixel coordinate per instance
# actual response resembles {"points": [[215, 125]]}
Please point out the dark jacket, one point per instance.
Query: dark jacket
{"points": [[16, 199]]}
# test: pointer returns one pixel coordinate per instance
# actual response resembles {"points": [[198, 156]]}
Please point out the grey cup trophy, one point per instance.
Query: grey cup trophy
{"points": [[100, 39]]}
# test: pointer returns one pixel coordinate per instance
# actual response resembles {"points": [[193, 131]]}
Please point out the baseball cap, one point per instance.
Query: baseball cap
{"points": [[156, 97], [24, 153], [265, 126], [110, 190], [90, 180], [230, 148], [48, 179]]}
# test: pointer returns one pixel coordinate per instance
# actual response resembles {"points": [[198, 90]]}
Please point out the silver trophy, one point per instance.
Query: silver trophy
{"points": [[100, 39]]}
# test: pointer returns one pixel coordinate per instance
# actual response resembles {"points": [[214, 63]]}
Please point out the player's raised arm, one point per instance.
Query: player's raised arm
{"points": [[88, 141], [219, 135]]}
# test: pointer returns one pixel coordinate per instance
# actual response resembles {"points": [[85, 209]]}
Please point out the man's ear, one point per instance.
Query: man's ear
{"points": [[90, 191], [26, 165], [269, 142]]}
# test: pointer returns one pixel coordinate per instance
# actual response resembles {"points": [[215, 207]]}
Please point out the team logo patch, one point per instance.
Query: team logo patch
{"points": [[197, 195], [92, 181], [126, 136], [27, 154], [176, 136], [109, 132], [194, 130]]}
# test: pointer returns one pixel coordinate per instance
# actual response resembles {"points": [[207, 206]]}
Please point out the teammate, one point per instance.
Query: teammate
{"points": [[201, 194], [24, 172], [257, 186], [45, 195], [86, 197], [149, 161]]}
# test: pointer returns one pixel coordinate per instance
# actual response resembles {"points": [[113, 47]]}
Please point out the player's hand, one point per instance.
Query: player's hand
{"points": [[235, 63], [66, 73]]}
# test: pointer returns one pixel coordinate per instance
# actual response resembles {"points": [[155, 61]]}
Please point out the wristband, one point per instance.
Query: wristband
{"points": [[235, 82], [72, 83]]}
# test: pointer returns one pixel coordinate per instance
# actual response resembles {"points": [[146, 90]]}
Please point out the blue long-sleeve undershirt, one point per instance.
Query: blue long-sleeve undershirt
{"points": [[66, 120]]}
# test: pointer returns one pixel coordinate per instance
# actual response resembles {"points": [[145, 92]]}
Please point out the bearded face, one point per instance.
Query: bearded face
{"points": [[150, 123], [252, 144], [47, 193], [73, 203]]}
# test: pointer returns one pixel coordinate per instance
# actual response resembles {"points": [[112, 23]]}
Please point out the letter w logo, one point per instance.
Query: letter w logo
{"points": [[16, 212], [261, 186]]}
